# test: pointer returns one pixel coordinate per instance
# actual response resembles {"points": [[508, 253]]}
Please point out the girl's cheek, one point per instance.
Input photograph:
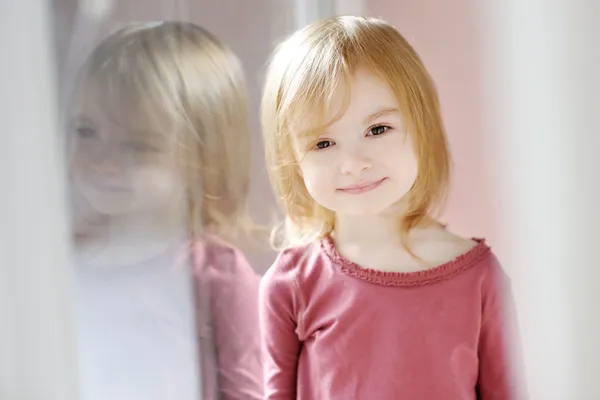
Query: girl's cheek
{"points": [[157, 186]]}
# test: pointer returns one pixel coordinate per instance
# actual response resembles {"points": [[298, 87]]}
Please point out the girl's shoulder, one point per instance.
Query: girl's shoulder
{"points": [[294, 262], [296, 256], [214, 253], [480, 254], [444, 248], [442, 244]]}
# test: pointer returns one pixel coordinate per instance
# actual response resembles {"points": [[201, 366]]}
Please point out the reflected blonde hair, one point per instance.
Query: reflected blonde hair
{"points": [[191, 87], [301, 78]]}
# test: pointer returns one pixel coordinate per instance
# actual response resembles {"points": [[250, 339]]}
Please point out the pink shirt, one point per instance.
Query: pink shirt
{"points": [[227, 318], [334, 330]]}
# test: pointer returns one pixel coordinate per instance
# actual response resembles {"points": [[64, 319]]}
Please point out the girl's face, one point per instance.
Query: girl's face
{"points": [[120, 165], [364, 163]]}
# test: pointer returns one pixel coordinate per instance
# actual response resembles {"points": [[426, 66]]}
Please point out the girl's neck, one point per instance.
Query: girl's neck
{"points": [[366, 230], [375, 230]]}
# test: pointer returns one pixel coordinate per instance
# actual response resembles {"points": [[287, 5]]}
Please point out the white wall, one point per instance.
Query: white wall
{"points": [[37, 359], [542, 96]]}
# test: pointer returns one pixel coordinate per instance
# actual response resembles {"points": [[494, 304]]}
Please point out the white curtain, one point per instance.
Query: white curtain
{"points": [[37, 359], [541, 64]]}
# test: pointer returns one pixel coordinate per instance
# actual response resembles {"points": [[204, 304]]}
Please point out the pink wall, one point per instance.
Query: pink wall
{"points": [[444, 33]]}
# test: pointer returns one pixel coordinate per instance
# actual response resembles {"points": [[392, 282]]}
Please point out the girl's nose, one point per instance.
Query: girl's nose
{"points": [[355, 164]]}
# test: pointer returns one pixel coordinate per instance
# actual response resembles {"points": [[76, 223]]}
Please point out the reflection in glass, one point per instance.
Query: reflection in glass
{"points": [[159, 170]]}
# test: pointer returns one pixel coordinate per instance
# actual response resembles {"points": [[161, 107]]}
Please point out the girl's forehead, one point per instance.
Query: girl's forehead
{"points": [[363, 100], [365, 86], [311, 115]]}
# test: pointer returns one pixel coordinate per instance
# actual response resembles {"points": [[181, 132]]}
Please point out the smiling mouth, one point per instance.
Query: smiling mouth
{"points": [[362, 187]]}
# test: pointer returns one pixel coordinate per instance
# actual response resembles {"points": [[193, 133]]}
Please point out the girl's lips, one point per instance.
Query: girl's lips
{"points": [[362, 187]]}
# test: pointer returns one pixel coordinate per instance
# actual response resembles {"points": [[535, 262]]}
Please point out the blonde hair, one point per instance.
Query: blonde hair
{"points": [[302, 76], [180, 77]]}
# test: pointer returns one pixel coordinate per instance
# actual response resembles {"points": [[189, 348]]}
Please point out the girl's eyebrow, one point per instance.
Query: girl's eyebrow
{"points": [[380, 113], [310, 132]]}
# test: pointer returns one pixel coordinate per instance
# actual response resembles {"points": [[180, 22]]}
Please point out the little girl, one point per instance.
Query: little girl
{"points": [[160, 173], [371, 298]]}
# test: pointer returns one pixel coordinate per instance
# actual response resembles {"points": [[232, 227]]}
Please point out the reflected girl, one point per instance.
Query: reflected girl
{"points": [[160, 175]]}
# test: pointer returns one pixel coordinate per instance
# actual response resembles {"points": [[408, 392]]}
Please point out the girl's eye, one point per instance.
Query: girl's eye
{"points": [[85, 132], [378, 130], [323, 144]]}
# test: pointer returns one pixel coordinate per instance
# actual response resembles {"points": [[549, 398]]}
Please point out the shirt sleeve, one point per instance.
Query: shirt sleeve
{"points": [[234, 303], [279, 310], [500, 362]]}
